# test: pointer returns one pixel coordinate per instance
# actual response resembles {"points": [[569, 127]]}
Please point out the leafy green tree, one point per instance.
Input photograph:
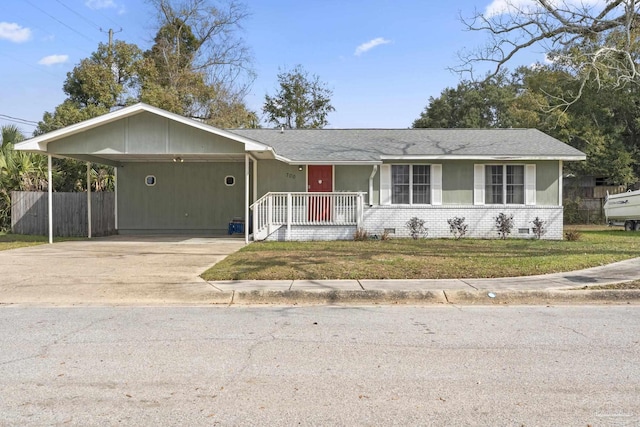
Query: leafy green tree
{"points": [[602, 125], [301, 102], [19, 171], [471, 105]]}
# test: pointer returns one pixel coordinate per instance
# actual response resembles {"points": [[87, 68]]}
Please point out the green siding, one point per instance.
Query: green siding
{"points": [[145, 134], [547, 183], [108, 138], [276, 176], [186, 197], [352, 178]]}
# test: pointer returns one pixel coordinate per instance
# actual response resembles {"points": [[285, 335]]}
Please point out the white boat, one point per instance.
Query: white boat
{"points": [[623, 209]]}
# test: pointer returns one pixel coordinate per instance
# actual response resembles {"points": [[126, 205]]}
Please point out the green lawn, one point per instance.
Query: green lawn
{"points": [[14, 241], [425, 258]]}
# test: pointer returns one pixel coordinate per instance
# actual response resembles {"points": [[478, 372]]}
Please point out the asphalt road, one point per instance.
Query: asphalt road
{"points": [[513, 365]]}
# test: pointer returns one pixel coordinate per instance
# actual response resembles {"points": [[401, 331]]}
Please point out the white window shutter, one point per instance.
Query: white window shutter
{"points": [[530, 184], [478, 184], [385, 184], [436, 184]]}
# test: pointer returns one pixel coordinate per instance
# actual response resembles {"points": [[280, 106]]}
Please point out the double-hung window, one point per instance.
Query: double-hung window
{"points": [[410, 184], [505, 184]]}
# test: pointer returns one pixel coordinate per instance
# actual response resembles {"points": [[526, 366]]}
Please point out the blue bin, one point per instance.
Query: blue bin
{"points": [[236, 227]]}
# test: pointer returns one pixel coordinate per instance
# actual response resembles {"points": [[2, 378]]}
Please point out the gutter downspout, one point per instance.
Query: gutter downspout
{"points": [[373, 173]]}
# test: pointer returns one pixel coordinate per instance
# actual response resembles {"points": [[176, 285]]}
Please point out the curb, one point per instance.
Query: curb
{"points": [[339, 297], [454, 297], [550, 296]]}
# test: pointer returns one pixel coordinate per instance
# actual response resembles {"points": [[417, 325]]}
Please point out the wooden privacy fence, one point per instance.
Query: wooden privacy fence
{"points": [[29, 213]]}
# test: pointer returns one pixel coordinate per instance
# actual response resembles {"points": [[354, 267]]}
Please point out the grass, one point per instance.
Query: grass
{"points": [[14, 241], [426, 258]]}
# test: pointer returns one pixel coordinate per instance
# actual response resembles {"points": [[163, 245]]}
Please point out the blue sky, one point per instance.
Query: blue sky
{"points": [[383, 59]]}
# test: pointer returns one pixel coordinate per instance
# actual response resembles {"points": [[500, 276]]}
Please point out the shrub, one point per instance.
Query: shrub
{"points": [[386, 235], [416, 228], [572, 211], [538, 227], [572, 235], [457, 227], [360, 235], [504, 224]]}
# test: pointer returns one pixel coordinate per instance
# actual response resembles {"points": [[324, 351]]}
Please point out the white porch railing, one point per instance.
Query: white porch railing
{"points": [[274, 210]]}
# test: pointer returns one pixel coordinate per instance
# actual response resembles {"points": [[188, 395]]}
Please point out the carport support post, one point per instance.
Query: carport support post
{"points": [[88, 200], [50, 191], [246, 198]]}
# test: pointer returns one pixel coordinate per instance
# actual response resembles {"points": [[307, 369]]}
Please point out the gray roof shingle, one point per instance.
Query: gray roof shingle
{"points": [[371, 145]]}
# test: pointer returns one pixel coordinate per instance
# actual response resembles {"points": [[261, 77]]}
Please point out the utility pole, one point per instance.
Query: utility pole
{"points": [[111, 33]]}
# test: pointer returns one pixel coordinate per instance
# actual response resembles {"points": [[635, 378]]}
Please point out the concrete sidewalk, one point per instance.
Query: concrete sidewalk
{"points": [[558, 287]]}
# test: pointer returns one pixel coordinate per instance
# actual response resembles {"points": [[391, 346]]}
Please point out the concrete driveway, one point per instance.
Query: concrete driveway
{"points": [[114, 270]]}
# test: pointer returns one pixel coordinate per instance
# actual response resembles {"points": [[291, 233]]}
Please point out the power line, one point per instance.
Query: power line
{"points": [[18, 120], [79, 14], [59, 21]]}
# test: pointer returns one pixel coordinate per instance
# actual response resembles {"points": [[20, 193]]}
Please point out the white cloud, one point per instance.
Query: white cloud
{"points": [[14, 32], [53, 59], [500, 7], [370, 45], [100, 4]]}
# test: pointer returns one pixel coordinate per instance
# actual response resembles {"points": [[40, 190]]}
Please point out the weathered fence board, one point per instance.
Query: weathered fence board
{"points": [[29, 213]]}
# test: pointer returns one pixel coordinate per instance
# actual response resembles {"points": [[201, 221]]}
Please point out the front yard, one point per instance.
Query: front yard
{"points": [[425, 258]]}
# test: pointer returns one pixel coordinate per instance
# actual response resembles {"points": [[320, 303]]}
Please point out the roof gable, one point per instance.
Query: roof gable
{"points": [[39, 143]]}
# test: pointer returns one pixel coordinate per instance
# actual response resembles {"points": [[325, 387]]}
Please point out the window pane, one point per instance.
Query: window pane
{"points": [[400, 184], [515, 185], [421, 184], [493, 184]]}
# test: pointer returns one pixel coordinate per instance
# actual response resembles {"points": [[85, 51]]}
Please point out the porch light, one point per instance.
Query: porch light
{"points": [[300, 168], [178, 159]]}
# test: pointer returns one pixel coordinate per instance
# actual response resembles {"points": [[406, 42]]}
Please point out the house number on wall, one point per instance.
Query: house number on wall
{"points": [[291, 175]]}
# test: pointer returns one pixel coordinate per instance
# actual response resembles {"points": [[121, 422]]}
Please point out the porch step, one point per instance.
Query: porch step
{"points": [[265, 232]]}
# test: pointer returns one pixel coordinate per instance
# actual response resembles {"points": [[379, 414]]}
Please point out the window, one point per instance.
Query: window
{"points": [[150, 180], [504, 184], [410, 184]]}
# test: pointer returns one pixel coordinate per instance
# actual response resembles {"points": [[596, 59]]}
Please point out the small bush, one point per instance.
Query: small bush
{"points": [[386, 235], [572, 235], [360, 235], [538, 227], [416, 228], [572, 211], [457, 227], [504, 224]]}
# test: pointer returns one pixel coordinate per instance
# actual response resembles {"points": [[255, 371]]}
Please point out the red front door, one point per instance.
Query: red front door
{"points": [[320, 179]]}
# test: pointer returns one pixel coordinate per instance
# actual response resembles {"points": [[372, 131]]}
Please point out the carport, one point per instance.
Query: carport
{"points": [[174, 175]]}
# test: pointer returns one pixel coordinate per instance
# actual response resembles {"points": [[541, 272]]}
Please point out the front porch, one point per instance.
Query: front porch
{"points": [[308, 216]]}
